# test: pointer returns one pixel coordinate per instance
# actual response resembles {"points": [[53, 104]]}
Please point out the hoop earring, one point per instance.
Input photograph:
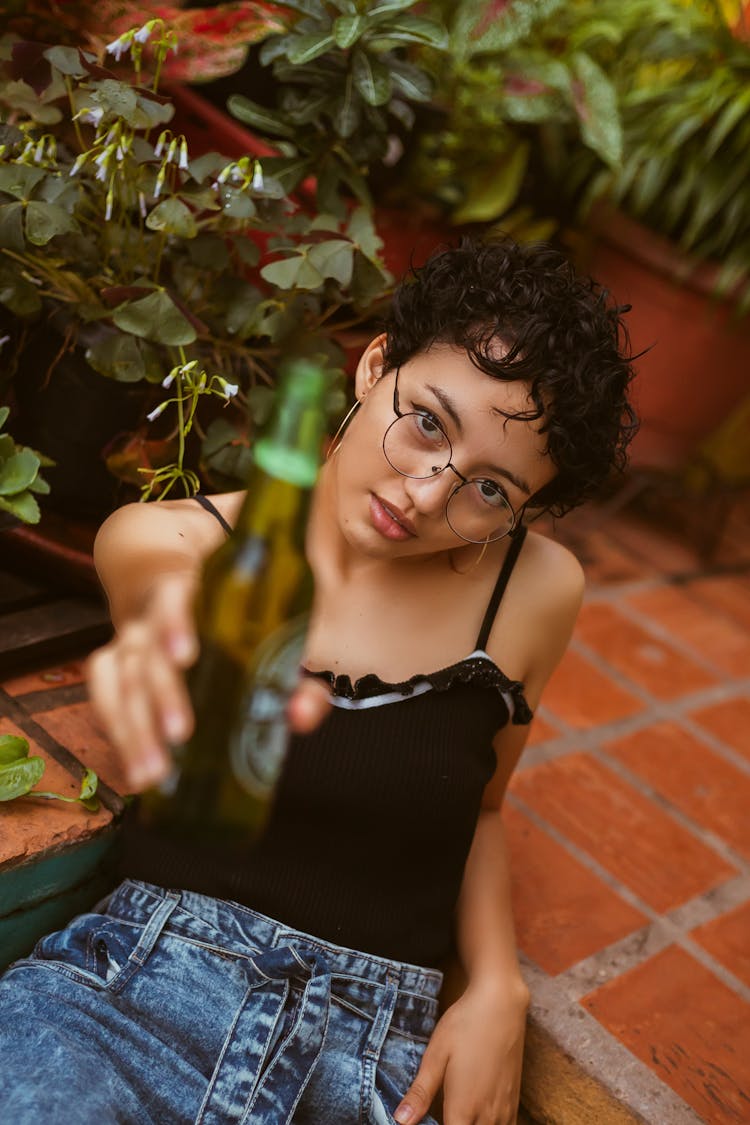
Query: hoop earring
{"points": [[338, 436], [475, 564]]}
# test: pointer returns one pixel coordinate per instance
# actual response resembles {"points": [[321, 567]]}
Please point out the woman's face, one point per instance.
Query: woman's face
{"points": [[384, 514]]}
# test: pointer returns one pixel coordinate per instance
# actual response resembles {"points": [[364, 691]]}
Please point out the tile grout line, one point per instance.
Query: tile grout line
{"points": [[678, 934]]}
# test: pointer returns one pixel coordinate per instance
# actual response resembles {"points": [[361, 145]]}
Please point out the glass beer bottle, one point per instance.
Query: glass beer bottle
{"points": [[251, 615]]}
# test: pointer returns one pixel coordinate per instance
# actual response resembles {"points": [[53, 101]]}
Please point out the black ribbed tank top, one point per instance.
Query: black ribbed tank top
{"points": [[374, 813]]}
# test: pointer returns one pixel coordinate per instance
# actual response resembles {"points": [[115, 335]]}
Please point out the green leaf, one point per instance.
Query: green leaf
{"points": [[308, 47], [362, 231], [66, 60], [237, 203], [12, 748], [45, 220], [418, 29], [346, 113], [347, 30], [155, 318], [410, 81], [17, 778], [117, 98], [173, 217], [19, 180], [126, 358], [18, 472], [388, 7], [368, 281], [258, 116], [333, 259], [89, 783], [23, 506], [18, 294], [283, 273], [4, 412], [600, 122], [371, 78], [493, 190], [40, 487], [734, 111], [11, 227]]}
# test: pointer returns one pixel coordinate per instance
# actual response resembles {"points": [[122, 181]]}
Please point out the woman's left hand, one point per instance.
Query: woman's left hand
{"points": [[475, 1053]]}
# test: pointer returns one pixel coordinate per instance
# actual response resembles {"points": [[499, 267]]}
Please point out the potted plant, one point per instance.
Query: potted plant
{"points": [[671, 223], [168, 278]]}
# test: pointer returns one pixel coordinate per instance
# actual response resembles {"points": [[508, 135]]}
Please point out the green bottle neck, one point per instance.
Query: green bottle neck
{"points": [[288, 448]]}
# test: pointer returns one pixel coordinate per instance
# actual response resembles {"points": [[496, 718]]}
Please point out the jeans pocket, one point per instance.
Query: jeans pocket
{"points": [[80, 951], [100, 950]]}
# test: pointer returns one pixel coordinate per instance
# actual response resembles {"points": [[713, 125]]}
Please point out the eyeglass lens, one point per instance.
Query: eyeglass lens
{"points": [[476, 510]]}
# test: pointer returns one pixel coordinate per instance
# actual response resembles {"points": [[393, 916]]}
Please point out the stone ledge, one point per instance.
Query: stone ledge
{"points": [[576, 1073]]}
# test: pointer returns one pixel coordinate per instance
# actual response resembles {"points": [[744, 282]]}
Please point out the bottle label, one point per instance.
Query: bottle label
{"points": [[258, 745]]}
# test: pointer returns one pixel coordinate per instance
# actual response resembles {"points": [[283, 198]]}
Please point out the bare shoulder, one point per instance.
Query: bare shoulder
{"points": [[180, 530], [553, 571], [538, 613]]}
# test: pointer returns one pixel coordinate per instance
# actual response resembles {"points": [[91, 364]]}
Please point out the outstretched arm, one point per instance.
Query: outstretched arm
{"points": [[149, 559]]}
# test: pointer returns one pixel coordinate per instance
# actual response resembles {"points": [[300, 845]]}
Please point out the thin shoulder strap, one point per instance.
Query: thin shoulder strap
{"points": [[210, 507], [506, 570]]}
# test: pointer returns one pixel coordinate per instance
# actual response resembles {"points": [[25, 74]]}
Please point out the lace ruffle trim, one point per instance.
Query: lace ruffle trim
{"points": [[478, 670]]}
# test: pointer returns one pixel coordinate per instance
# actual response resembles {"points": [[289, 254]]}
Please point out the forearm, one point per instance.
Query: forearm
{"points": [[485, 932]]}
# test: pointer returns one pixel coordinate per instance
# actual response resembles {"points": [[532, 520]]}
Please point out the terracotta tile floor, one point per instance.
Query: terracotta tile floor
{"points": [[628, 821], [629, 824]]}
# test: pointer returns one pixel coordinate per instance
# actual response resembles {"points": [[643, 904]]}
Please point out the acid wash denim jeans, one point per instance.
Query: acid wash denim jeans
{"points": [[170, 1007]]}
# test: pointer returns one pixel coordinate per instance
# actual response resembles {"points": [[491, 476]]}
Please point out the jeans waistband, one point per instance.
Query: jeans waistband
{"points": [[358, 978]]}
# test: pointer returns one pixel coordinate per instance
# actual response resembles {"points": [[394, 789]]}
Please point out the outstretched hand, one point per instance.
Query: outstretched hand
{"points": [[475, 1054], [137, 684]]}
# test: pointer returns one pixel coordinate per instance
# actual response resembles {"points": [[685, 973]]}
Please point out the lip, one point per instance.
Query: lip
{"points": [[389, 520]]}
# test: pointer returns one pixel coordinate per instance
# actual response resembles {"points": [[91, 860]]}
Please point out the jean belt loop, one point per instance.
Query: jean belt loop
{"points": [[382, 1021], [154, 927]]}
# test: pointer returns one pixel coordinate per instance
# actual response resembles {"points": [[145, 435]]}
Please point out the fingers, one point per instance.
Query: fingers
{"points": [[308, 706], [416, 1102], [137, 687]]}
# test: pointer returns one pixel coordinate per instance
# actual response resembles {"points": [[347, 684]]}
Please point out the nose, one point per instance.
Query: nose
{"points": [[429, 495]]}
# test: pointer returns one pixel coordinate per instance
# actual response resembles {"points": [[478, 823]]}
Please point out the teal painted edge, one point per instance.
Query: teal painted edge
{"points": [[19, 932], [48, 876]]}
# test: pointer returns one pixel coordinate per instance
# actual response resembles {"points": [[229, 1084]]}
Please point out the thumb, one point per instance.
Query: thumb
{"points": [[418, 1098]]}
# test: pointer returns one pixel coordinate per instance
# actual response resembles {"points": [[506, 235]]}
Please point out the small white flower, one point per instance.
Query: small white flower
{"points": [[230, 389], [143, 34], [102, 173], [258, 183], [39, 151], [224, 174], [167, 383], [93, 116], [117, 47], [4, 340], [157, 411], [183, 155], [119, 154], [142, 204], [162, 140], [78, 163], [110, 204]]}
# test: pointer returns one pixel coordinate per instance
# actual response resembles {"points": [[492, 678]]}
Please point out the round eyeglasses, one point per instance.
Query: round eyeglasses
{"points": [[417, 446]]}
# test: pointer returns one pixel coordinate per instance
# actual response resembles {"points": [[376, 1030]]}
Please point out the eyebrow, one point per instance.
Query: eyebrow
{"points": [[450, 409]]}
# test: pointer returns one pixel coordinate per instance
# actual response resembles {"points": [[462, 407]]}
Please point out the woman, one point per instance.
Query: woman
{"points": [[308, 995]]}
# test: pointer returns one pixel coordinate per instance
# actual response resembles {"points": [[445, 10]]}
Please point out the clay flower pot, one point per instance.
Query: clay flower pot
{"points": [[698, 365]]}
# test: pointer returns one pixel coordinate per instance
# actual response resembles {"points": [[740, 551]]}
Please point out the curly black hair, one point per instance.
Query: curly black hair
{"points": [[562, 334]]}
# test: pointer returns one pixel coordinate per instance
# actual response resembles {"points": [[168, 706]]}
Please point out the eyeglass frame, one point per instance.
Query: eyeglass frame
{"points": [[515, 518]]}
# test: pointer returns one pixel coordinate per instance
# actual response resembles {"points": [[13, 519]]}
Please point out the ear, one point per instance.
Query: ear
{"points": [[370, 366]]}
